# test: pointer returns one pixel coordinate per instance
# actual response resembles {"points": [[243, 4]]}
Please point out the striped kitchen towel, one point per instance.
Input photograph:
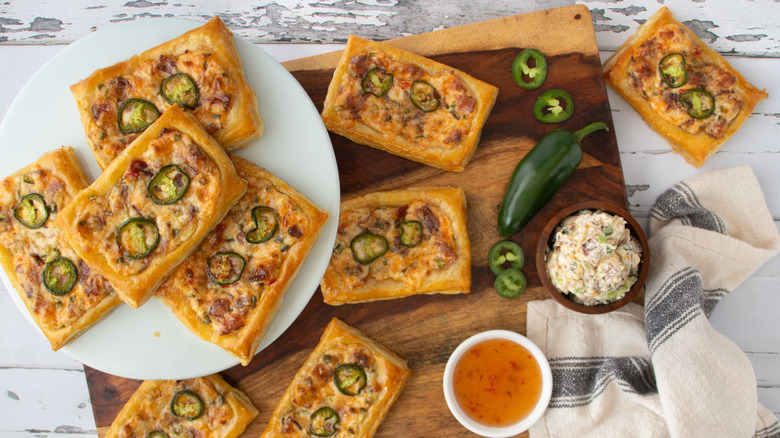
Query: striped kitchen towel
{"points": [[662, 370]]}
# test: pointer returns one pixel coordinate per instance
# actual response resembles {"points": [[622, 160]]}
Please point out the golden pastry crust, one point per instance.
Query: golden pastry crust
{"points": [[226, 410], [227, 108], [120, 200], [236, 316], [440, 263], [633, 71], [314, 388], [445, 138], [24, 252]]}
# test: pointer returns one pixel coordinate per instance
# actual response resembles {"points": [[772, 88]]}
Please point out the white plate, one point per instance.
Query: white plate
{"points": [[149, 342]]}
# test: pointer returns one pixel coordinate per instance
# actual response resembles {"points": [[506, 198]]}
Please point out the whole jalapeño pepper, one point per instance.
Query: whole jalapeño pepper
{"points": [[539, 175]]}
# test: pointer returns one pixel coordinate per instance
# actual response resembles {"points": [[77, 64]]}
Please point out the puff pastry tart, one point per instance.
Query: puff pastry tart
{"points": [[228, 291], [682, 88], [200, 71], [63, 295], [344, 389], [399, 243], [406, 104], [152, 206], [201, 407]]}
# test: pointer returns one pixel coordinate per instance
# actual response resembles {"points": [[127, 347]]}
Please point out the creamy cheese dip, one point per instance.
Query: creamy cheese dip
{"points": [[594, 259]]}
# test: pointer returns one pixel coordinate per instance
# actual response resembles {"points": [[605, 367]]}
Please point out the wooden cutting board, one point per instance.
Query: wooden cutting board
{"points": [[426, 329]]}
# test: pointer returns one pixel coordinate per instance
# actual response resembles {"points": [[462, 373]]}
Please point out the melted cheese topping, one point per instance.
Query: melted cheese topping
{"points": [[31, 249], [101, 216], [227, 308], [394, 115], [153, 412], [316, 389], [645, 77], [215, 86], [410, 266]]}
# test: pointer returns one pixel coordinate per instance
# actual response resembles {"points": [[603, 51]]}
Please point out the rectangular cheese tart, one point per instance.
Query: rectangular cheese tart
{"points": [[683, 89], [345, 388], [63, 294], [406, 104], [200, 71], [398, 243], [153, 205], [228, 291], [200, 407]]}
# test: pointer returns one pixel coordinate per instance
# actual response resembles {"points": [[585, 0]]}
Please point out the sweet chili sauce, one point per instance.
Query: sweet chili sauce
{"points": [[497, 382]]}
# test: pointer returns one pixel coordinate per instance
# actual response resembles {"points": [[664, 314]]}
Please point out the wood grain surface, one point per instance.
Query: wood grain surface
{"points": [[426, 329]]}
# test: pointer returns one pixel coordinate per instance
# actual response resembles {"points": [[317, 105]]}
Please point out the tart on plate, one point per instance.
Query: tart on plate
{"points": [[152, 206], [228, 290], [199, 71]]}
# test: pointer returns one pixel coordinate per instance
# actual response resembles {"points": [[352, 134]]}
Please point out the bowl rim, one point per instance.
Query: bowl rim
{"points": [[547, 233], [512, 429]]}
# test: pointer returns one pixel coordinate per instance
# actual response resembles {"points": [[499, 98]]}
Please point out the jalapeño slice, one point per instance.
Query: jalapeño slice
{"points": [[157, 434], [350, 379], [168, 185], [553, 106], [59, 276], [324, 422], [510, 283], [504, 255], [266, 221], [423, 96], [411, 233], [225, 268], [673, 71], [377, 82], [31, 211], [529, 69], [180, 89], [367, 247], [699, 103], [186, 404], [135, 115], [137, 237]]}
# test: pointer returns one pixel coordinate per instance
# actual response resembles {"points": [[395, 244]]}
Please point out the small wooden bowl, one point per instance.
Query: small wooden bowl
{"points": [[545, 242]]}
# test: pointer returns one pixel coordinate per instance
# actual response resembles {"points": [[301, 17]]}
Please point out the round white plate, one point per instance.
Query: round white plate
{"points": [[150, 342]]}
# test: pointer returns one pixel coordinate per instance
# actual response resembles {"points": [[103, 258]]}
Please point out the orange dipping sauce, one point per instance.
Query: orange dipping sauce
{"points": [[497, 382]]}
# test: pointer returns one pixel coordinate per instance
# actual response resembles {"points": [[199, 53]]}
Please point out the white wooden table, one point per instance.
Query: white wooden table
{"points": [[44, 393]]}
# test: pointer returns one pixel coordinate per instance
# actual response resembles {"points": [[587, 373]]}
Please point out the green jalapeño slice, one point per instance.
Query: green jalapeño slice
{"points": [[225, 268], [31, 211], [180, 89], [411, 233], [59, 276], [673, 71], [553, 106], [504, 255], [350, 379], [266, 221], [377, 82], [138, 237], [324, 422], [529, 69], [510, 283], [699, 103], [187, 405], [157, 434], [168, 185], [367, 247], [135, 115], [423, 96]]}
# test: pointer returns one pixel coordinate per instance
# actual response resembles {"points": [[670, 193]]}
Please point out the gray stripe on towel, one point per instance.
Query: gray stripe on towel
{"points": [[577, 381], [677, 302], [681, 202]]}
